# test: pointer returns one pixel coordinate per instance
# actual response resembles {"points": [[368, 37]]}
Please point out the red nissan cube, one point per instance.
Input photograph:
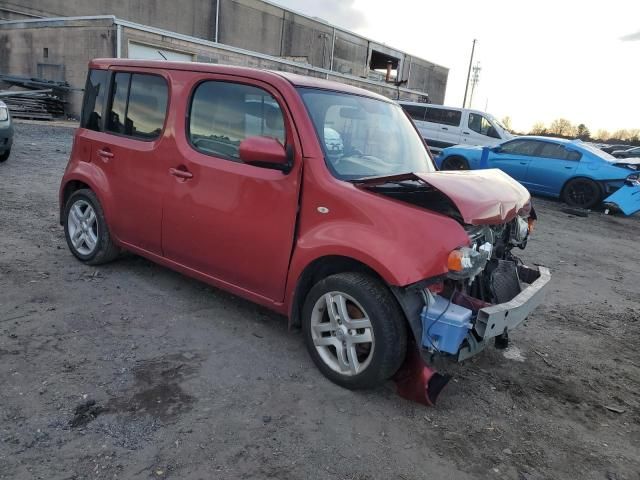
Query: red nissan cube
{"points": [[315, 199]]}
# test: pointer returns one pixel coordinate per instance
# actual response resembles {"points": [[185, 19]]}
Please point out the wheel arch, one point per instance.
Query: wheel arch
{"points": [[318, 269], [67, 190], [577, 177], [455, 155]]}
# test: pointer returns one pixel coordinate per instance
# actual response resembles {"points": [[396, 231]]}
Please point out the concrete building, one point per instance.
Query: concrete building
{"points": [[55, 39]]}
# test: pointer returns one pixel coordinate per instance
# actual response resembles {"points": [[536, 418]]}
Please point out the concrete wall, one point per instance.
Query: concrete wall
{"points": [[69, 51], [189, 17]]}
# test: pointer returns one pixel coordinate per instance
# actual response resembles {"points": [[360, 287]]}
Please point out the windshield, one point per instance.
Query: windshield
{"points": [[363, 137]]}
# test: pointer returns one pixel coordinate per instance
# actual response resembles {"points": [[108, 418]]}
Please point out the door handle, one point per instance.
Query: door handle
{"points": [[180, 173], [466, 133], [569, 168], [105, 153], [523, 163]]}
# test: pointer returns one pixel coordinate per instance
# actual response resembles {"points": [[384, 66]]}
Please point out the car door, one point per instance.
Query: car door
{"points": [[447, 123], [417, 114], [552, 166], [231, 221], [130, 154], [478, 130], [513, 158]]}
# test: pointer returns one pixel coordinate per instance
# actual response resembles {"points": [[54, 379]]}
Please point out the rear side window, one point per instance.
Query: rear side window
{"points": [[557, 151], [443, 115], [479, 124], [223, 114], [138, 105], [521, 147], [416, 112], [93, 103]]}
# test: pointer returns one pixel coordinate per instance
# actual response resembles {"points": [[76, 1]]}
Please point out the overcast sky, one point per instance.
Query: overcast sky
{"points": [[540, 60]]}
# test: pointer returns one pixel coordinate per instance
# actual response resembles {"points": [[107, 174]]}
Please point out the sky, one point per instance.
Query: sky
{"points": [[541, 60]]}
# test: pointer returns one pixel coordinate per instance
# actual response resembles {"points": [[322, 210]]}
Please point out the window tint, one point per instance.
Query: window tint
{"points": [[223, 114], [442, 115], [479, 123], [415, 112], [94, 95], [138, 105], [557, 151], [118, 108], [520, 147]]}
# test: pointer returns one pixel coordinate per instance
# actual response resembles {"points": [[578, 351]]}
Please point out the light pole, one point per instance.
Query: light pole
{"points": [[466, 88], [474, 81]]}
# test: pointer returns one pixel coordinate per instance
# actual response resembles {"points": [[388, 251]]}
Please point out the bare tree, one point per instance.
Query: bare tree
{"points": [[538, 128], [602, 134], [561, 127]]}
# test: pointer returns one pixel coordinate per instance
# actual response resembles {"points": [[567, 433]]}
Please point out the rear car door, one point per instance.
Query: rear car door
{"points": [[447, 122], [417, 114], [130, 153], [514, 158], [231, 221], [479, 131], [550, 169]]}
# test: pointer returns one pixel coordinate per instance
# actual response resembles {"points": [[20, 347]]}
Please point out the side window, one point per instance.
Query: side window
{"points": [[520, 147], [93, 103], [442, 115], [557, 151], [138, 105], [479, 124], [223, 114], [416, 112]]}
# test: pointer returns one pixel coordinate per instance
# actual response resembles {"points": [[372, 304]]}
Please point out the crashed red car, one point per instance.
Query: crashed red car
{"points": [[313, 198]]}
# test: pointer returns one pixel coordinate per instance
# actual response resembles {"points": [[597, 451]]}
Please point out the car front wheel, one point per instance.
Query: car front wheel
{"points": [[5, 156], [455, 163], [86, 229], [354, 330]]}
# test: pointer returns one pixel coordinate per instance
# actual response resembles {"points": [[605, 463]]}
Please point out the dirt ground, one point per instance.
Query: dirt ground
{"points": [[193, 383]]}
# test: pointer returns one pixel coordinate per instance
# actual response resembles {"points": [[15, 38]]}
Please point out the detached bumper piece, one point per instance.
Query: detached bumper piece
{"points": [[495, 320], [627, 198]]}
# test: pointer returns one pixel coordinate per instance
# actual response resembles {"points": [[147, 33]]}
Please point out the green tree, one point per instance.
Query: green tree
{"points": [[582, 132]]}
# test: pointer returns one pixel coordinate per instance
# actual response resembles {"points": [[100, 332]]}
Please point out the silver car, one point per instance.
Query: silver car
{"points": [[6, 132]]}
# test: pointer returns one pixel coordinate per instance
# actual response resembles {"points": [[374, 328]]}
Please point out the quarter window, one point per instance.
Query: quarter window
{"points": [[138, 105], [223, 114], [443, 115], [93, 104]]}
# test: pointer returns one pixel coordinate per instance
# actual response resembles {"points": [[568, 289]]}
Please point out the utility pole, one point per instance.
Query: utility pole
{"points": [[474, 81], [466, 88]]}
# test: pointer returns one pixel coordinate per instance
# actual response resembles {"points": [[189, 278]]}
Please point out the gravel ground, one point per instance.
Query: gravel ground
{"points": [[191, 383]]}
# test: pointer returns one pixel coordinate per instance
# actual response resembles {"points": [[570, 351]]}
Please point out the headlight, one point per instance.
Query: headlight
{"points": [[466, 262], [4, 114]]}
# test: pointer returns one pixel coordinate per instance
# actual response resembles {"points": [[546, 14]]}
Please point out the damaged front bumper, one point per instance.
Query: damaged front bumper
{"points": [[498, 319]]}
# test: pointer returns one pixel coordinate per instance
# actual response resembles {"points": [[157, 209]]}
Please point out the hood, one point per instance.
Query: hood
{"points": [[475, 197]]}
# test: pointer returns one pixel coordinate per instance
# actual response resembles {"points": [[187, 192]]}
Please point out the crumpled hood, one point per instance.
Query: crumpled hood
{"points": [[483, 197]]}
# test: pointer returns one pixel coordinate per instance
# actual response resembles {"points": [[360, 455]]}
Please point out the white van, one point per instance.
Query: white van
{"points": [[444, 127]]}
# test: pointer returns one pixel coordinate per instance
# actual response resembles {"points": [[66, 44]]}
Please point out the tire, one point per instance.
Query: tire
{"points": [[581, 193], [455, 163], [93, 244], [366, 302], [5, 156]]}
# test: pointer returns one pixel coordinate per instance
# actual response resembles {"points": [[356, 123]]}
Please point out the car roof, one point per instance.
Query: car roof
{"points": [[255, 73], [547, 139]]}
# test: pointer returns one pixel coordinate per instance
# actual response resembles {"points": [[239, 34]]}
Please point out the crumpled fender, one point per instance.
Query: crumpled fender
{"points": [[627, 198]]}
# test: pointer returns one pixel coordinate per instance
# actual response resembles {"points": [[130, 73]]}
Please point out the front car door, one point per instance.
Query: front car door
{"points": [[479, 131], [233, 222], [514, 157], [552, 166]]}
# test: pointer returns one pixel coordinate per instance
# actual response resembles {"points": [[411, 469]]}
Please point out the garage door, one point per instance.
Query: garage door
{"points": [[141, 51]]}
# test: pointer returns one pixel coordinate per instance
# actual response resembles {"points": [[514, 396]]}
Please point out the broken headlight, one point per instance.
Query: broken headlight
{"points": [[467, 262]]}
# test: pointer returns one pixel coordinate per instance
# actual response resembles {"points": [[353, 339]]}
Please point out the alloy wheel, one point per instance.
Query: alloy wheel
{"points": [[83, 227]]}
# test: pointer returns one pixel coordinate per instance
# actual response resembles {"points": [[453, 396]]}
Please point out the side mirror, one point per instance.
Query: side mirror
{"points": [[265, 152]]}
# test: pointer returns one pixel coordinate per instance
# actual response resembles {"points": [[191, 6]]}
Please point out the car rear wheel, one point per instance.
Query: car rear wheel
{"points": [[354, 330], [581, 193], [5, 156], [86, 229], [455, 163]]}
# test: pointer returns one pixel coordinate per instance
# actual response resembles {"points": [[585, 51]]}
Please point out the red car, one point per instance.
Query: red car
{"points": [[313, 198]]}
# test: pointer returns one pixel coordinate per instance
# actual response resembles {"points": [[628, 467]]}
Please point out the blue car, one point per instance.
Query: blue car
{"points": [[576, 172]]}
